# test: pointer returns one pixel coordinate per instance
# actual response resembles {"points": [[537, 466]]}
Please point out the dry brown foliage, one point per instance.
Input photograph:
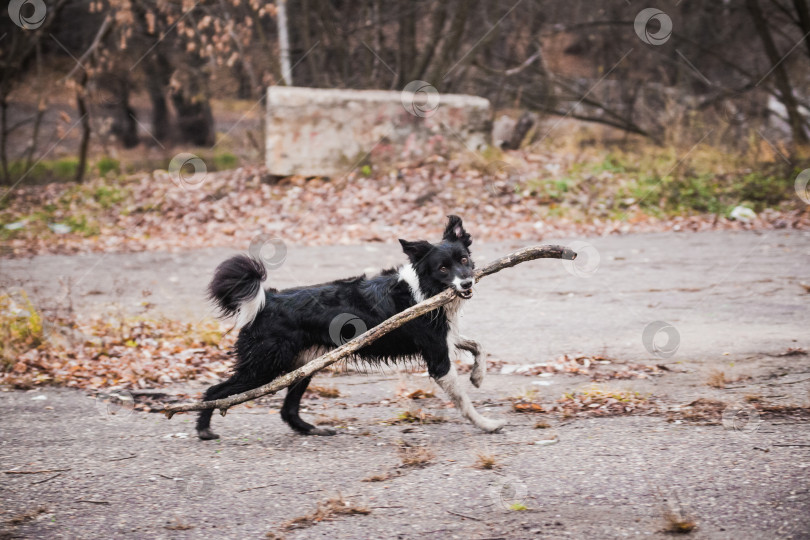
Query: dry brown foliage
{"points": [[415, 456], [325, 391], [325, 511], [486, 460]]}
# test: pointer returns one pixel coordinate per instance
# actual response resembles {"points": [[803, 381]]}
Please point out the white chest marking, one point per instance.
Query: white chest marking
{"points": [[408, 275]]}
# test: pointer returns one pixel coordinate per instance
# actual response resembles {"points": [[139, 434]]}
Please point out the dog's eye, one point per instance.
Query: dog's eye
{"points": [[443, 269], [464, 260]]}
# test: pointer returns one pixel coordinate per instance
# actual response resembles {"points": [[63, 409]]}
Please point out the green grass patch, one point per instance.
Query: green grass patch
{"points": [[224, 161], [108, 196], [20, 328], [107, 165], [44, 171]]}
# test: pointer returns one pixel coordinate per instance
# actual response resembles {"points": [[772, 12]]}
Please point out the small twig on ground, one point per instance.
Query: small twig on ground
{"points": [[92, 502], [123, 458], [799, 445], [788, 382], [349, 348], [465, 516], [257, 487], [36, 472], [46, 480]]}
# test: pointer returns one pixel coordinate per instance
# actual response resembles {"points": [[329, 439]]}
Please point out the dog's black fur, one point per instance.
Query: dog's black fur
{"points": [[295, 323]]}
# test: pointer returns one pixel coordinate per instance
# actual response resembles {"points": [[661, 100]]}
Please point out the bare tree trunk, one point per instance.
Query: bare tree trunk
{"points": [[450, 48], [803, 13], [317, 74], [284, 42], [438, 17], [158, 72], [81, 105], [32, 146], [407, 42], [780, 73], [4, 139], [195, 122]]}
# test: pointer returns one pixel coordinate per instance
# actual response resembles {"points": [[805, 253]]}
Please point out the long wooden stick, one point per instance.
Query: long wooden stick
{"points": [[350, 347]]}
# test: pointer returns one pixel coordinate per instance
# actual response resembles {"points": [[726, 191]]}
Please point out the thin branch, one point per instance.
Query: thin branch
{"points": [[93, 46], [349, 348], [511, 71], [47, 479]]}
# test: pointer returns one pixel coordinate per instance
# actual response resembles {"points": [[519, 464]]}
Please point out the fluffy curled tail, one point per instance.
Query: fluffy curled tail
{"points": [[237, 288]]}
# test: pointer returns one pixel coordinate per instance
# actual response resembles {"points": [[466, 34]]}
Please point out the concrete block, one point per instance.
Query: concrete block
{"points": [[325, 132]]}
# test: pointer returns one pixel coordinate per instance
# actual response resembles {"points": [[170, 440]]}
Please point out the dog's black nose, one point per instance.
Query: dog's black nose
{"points": [[466, 285]]}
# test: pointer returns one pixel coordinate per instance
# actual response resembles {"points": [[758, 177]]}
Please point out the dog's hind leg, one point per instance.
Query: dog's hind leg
{"points": [[234, 385], [289, 411], [479, 368], [444, 373]]}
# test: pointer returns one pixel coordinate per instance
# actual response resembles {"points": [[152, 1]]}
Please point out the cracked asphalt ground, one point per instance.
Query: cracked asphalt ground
{"points": [[735, 299]]}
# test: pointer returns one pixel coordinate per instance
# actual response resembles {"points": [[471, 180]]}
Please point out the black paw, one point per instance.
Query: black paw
{"points": [[323, 431], [206, 434]]}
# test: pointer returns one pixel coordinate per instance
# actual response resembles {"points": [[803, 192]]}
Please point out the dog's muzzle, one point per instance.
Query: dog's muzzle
{"points": [[464, 289]]}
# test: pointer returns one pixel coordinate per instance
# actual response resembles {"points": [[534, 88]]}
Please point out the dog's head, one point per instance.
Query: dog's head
{"points": [[447, 264]]}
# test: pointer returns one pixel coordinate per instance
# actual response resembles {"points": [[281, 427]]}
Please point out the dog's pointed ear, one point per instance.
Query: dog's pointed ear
{"points": [[416, 251], [454, 232]]}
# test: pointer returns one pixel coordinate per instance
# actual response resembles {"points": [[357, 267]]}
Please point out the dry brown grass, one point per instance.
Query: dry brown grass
{"points": [[382, 477], [326, 510], [325, 391], [408, 390], [333, 420], [415, 456], [486, 460], [701, 411], [28, 515], [717, 379], [417, 416], [179, 524], [677, 523]]}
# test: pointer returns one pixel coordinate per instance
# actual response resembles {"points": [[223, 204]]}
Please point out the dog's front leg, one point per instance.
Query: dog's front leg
{"points": [[451, 384], [479, 368]]}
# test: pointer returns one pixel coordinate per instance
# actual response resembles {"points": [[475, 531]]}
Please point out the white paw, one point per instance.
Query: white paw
{"points": [[490, 425], [477, 376]]}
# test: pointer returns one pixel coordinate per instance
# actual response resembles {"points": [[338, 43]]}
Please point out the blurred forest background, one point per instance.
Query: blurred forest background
{"points": [[706, 116]]}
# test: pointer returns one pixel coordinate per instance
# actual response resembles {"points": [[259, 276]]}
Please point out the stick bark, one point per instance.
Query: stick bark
{"points": [[350, 347]]}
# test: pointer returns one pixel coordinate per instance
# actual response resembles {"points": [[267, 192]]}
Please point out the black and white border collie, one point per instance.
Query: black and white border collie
{"points": [[283, 330]]}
